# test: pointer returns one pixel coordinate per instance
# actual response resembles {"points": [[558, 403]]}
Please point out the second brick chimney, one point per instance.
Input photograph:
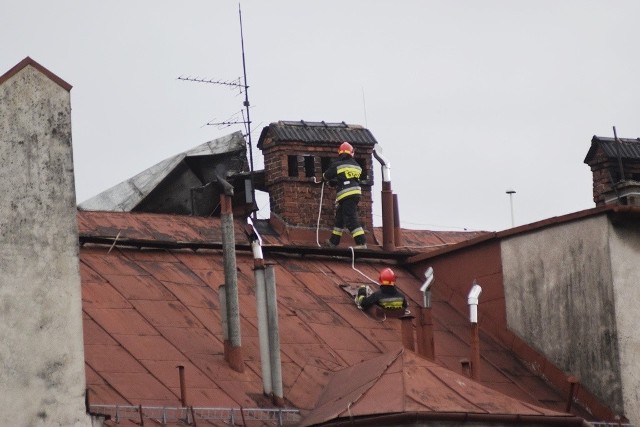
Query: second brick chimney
{"points": [[296, 153], [615, 165]]}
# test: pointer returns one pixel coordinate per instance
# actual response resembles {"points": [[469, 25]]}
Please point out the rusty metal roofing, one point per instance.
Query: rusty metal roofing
{"points": [[317, 132], [626, 148], [423, 386], [147, 310]]}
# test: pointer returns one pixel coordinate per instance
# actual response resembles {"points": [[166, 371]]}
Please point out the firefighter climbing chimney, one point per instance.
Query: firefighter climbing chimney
{"points": [[296, 153], [615, 165]]}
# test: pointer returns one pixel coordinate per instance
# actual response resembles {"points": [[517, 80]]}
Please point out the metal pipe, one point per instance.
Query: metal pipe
{"points": [[425, 320], [231, 282], [618, 143], [473, 297], [424, 332], [222, 296], [472, 300], [183, 386], [426, 287], [406, 327], [397, 230], [386, 165], [274, 336], [511, 193], [263, 330], [475, 352], [261, 306], [388, 243], [574, 385]]}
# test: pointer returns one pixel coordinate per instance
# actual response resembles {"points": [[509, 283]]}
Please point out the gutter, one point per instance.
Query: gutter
{"points": [[421, 418], [86, 238]]}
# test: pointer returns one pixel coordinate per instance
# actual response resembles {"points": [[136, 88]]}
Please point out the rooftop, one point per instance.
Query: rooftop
{"points": [[148, 309]]}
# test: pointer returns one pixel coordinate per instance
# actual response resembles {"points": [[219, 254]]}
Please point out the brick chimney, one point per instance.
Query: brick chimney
{"points": [[615, 165], [295, 154]]}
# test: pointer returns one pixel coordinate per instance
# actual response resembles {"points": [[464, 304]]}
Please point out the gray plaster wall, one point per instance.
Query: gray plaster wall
{"points": [[560, 299], [625, 262], [42, 378]]}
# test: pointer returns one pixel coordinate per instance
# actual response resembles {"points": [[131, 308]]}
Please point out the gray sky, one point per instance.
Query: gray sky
{"points": [[467, 98]]}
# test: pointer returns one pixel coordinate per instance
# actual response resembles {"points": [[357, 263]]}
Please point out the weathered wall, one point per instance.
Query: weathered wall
{"points": [[42, 377], [560, 299], [625, 256]]}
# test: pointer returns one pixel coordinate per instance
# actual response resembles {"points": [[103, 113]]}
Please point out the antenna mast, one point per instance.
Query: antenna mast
{"points": [[248, 122]]}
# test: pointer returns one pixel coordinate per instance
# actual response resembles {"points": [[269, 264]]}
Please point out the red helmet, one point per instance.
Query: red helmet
{"points": [[346, 148], [387, 277]]}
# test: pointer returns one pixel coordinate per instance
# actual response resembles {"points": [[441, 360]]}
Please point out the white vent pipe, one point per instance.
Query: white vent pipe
{"points": [[386, 165], [426, 287], [261, 306], [472, 300]]}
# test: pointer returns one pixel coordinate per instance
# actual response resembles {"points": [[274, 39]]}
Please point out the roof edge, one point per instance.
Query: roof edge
{"points": [[534, 226], [29, 61], [412, 417]]}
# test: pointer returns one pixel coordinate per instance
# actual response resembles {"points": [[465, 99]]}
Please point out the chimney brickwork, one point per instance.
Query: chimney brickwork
{"points": [[601, 168], [293, 171], [611, 184]]}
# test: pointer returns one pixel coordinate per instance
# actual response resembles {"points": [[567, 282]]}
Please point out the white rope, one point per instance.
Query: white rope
{"points": [[353, 265]]}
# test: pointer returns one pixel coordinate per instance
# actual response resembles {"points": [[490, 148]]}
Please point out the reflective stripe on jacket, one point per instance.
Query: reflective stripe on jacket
{"points": [[346, 172]]}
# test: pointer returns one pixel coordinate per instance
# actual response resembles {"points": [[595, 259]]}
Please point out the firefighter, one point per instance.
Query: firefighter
{"points": [[345, 173], [388, 297]]}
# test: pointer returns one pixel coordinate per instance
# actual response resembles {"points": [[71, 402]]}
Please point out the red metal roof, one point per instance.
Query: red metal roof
{"points": [[147, 310], [400, 381]]}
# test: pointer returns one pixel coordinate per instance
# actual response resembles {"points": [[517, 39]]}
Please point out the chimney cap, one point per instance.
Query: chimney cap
{"points": [[627, 148], [318, 133]]}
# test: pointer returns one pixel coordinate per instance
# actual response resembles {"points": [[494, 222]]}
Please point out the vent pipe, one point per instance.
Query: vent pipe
{"points": [[261, 306], [183, 386], [233, 349], [397, 231], [386, 201], [574, 386], [473, 297], [425, 327], [274, 336], [406, 328], [267, 312]]}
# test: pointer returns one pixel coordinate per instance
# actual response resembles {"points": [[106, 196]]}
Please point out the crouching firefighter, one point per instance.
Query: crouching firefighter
{"points": [[345, 173], [388, 297]]}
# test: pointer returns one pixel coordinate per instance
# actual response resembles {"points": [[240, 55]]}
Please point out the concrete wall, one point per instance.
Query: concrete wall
{"points": [[42, 376], [560, 299], [625, 254]]}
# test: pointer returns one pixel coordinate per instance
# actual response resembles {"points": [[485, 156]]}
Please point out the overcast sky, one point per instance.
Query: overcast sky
{"points": [[467, 98]]}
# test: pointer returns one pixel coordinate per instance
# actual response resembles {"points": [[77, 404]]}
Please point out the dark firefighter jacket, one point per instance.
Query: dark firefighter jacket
{"points": [[387, 297], [345, 171]]}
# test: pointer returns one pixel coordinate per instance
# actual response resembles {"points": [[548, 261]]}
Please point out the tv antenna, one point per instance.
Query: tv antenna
{"points": [[243, 87]]}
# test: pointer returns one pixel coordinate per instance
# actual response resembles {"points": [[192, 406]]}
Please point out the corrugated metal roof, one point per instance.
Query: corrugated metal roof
{"points": [[229, 151], [146, 310], [400, 381], [317, 132], [627, 148]]}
